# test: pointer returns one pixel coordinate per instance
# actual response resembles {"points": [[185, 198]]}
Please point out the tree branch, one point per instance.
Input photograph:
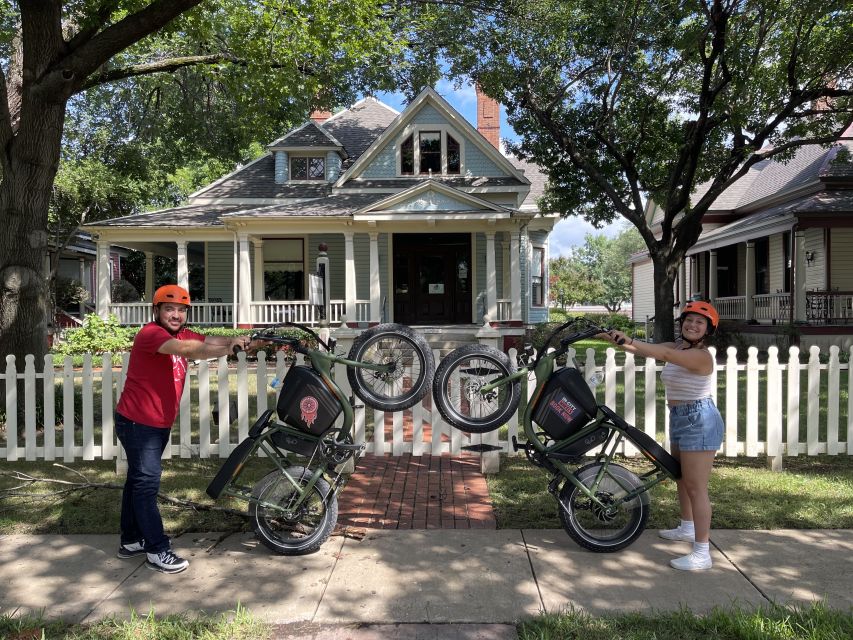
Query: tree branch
{"points": [[169, 65]]}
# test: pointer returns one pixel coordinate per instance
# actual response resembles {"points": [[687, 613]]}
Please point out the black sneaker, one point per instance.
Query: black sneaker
{"points": [[131, 550], [167, 562]]}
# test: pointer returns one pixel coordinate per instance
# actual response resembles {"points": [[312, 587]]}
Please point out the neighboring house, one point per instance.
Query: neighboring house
{"points": [[422, 218], [776, 249], [76, 262]]}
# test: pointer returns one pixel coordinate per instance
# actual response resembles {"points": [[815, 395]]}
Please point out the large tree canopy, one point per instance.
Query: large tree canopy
{"points": [[625, 100], [156, 95]]}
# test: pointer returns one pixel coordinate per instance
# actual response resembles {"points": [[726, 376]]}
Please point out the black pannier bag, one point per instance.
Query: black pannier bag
{"points": [[565, 405], [306, 403]]}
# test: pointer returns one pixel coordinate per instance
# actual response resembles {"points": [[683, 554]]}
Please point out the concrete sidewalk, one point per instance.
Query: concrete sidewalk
{"points": [[393, 577]]}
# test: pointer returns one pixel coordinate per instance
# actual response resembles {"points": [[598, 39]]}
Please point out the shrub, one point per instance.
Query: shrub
{"points": [[96, 336], [123, 291], [68, 292]]}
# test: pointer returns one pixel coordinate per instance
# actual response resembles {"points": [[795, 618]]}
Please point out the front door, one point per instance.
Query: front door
{"points": [[432, 283]]}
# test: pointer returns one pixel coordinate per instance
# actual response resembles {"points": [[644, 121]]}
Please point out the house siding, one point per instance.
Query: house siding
{"points": [[643, 286], [841, 252], [335, 243], [816, 271], [777, 263], [220, 271]]}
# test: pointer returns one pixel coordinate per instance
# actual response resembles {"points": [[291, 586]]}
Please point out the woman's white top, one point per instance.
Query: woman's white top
{"points": [[683, 385]]}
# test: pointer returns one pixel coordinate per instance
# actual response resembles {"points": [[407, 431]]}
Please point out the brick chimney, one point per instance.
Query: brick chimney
{"points": [[488, 118], [319, 117]]}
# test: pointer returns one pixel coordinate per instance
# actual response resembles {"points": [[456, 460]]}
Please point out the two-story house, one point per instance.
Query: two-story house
{"points": [[421, 217], [776, 249]]}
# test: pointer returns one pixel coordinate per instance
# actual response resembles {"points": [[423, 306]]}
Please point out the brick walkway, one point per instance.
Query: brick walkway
{"points": [[417, 492]]}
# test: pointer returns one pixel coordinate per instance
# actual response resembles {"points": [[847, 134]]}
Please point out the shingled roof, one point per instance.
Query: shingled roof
{"points": [[359, 126], [190, 216], [257, 180], [308, 135]]}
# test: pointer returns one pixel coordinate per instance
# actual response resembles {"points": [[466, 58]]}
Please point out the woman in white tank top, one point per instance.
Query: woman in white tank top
{"points": [[695, 425]]}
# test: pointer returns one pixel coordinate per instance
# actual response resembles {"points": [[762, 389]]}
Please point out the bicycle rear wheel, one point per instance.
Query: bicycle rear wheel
{"points": [[457, 384], [410, 367], [299, 530], [607, 529]]}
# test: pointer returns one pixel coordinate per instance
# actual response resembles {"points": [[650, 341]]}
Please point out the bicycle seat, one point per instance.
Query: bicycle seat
{"points": [[645, 442]]}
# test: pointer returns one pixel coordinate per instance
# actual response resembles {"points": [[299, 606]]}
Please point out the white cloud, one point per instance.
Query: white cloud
{"points": [[571, 232]]}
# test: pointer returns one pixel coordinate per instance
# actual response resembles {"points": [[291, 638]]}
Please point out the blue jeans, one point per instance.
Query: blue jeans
{"points": [[696, 426], [140, 517]]}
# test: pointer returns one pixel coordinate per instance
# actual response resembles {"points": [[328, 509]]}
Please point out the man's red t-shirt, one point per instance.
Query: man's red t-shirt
{"points": [[155, 381]]}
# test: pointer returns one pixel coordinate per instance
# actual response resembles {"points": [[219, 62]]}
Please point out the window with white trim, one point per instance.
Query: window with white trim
{"points": [[537, 277], [308, 168], [430, 152]]}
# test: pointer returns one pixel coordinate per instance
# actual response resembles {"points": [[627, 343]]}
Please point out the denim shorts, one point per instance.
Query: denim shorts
{"points": [[696, 426]]}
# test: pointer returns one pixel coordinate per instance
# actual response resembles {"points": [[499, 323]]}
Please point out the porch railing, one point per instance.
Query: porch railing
{"points": [[504, 309], [829, 307], [731, 308], [261, 312], [772, 307]]}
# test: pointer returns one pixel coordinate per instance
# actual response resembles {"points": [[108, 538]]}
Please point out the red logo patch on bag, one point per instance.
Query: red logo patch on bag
{"points": [[308, 406]]}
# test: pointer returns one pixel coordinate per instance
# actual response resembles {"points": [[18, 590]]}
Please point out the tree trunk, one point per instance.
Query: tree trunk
{"points": [[29, 169], [664, 276]]}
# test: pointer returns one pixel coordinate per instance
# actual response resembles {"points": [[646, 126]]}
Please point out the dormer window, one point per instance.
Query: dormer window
{"points": [[430, 152], [307, 168]]}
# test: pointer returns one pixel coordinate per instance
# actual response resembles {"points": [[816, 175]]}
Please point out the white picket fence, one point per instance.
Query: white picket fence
{"points": [[761, 403]]}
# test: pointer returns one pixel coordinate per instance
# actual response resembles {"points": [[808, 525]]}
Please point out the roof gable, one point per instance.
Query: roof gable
{"points": [[430, 110], [308, 135]]}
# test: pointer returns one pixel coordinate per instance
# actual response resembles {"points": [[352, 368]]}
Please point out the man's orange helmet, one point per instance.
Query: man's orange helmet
{"points": [[172, 293], [705, 309]]}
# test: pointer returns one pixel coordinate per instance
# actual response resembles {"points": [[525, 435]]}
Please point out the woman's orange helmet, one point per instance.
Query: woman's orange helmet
{"points": [[172, 293], [705, 309]]}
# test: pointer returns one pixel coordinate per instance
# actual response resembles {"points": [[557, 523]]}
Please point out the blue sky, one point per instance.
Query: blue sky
{"points": [[567, 233]]}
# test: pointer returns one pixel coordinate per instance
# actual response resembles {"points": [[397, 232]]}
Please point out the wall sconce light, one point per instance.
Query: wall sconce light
{"points": [[809, 257]]}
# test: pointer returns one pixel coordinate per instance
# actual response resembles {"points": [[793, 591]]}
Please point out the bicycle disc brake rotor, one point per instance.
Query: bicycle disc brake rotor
{"points": [[605, 513]]}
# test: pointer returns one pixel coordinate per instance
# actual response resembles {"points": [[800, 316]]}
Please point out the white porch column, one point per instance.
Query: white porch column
{"points": [[258, 286], [491, 280], [244, 309], [349, 278], [81, 306], [800, 276], [375, 302], [749, 290], [712, 276], [149, 276], [102, 306], [183, 267], [515, 276], [694, 275], [682, 283]]}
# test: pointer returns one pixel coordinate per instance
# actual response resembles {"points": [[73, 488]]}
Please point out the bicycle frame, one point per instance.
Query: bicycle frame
{"points": [[542, 368], [264, 439]]}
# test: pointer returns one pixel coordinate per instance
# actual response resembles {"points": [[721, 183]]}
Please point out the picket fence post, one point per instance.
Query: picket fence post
{"points": [[49, 381], [774, 410], [731, 448], [833, 380], [792, 441], [11, 409], [813, 416], [30, 407]]}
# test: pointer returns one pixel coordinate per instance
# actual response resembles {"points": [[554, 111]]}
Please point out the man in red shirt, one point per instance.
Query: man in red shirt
{"points": [[144, 416]]}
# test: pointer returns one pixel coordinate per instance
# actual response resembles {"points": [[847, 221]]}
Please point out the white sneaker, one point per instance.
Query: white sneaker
{"points": [[167, 562], [691, 562], [676, 534]]}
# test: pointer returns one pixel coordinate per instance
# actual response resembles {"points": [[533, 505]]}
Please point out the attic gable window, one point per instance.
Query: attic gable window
{"points": [[430, 152], [308, 168]]}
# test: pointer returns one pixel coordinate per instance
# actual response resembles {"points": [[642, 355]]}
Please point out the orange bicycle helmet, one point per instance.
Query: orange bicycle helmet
{"points": [[172, 293], [704, 309]]}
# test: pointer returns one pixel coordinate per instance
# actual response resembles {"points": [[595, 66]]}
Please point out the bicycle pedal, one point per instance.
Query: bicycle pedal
{"points": [[515, 446]]}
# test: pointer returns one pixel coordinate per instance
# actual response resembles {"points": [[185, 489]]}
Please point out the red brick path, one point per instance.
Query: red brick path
{"points": [[417, 492]]}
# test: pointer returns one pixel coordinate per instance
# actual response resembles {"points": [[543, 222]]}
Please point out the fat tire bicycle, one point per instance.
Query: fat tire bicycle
{"points": [[603, 506], [294, 507]]}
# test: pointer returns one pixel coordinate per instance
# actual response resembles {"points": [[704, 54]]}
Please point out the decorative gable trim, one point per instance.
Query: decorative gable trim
{"points": [[399, 205], [397, 129]]}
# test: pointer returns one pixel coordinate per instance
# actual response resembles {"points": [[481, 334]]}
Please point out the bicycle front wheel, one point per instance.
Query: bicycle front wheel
{"points": [[290, 530], [404, 381], [610, 526], [457, 386]]}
